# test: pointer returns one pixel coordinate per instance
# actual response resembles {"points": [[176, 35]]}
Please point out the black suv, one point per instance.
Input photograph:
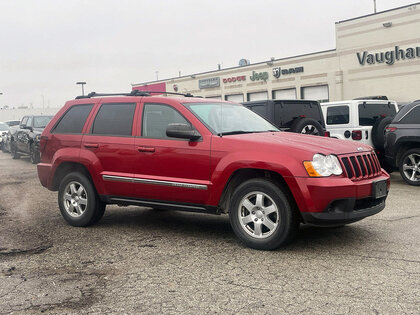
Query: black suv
{"points": [[300, 116], [402, 146], [25, 139]]}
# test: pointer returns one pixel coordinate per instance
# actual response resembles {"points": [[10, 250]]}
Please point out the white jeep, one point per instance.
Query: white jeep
{"points": [[361, 120]]}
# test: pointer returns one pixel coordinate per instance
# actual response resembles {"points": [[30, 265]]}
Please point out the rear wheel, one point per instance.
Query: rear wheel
{"points": [[78, 201], [34, 155], [409, 166], [261, 215]]}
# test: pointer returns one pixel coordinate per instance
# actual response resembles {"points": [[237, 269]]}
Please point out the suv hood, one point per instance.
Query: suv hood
{"points": [[308, 143]]}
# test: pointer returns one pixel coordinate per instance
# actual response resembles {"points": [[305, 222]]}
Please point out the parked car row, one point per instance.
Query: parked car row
{"points": [[22, 137]]}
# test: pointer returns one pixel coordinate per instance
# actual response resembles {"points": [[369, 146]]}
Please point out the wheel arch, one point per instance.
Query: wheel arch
{"points": [[68, 167], [403, 146], [242, 175]]}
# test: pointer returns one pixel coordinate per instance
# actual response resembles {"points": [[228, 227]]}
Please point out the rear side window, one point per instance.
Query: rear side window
{"points": [[338, 115], [368, 113], [259, 109], [413, 116], [156, 119], [114, 119], [73, 120]]}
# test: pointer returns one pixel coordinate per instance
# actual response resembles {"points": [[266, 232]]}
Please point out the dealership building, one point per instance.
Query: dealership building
{"points": [[376, 54]]}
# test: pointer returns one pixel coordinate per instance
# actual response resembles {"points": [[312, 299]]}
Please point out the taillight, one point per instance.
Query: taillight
{"points": [[390, 129], [356, 134], [42, 143], [327, 134]]}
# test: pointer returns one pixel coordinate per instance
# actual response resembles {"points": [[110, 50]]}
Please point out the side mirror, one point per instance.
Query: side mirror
{"points": [[27, 127], [182, 131]]}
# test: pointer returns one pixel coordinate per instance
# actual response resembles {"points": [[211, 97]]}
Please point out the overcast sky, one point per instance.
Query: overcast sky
{"points": [[49, 45]]}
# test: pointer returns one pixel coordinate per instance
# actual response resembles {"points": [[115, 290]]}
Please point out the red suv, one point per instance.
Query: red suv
{"points": [[198, 154]]}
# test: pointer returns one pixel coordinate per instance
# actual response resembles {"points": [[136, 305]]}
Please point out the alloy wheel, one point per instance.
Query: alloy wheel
{"points": [[75, 199], [258, 215], [310, 130], [411, 167]]}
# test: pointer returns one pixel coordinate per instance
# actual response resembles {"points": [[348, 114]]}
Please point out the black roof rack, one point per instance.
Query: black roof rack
{"points": [[132, 93]]}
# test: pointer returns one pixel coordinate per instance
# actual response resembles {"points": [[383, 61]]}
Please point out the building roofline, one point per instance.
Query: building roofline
{"points": [[377, 13], [231, 68]]}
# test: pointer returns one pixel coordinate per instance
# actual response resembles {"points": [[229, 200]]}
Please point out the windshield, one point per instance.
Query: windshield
{"points": [[4, 127], [13, 122], [41, 121], [224, 118]]}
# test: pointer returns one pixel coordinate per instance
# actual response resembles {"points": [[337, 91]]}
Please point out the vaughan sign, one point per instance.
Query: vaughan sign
{"points": [[389, 57]]}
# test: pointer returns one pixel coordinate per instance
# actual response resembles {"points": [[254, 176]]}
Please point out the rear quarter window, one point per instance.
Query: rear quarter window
{"points": [[412, 117], [338, 115], [73, 120]]}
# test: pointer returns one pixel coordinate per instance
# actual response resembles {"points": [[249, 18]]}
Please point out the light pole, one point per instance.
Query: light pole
{"points": [[82, 84]]}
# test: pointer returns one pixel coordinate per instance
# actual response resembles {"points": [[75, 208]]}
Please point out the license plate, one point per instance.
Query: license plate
{"points": [[379, 189]]}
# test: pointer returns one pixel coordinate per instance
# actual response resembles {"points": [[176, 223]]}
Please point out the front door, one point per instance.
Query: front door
{"points": [[169, 169]]}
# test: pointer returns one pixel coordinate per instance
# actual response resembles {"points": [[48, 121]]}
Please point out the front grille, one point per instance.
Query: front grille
{"points": [[360, 166]]}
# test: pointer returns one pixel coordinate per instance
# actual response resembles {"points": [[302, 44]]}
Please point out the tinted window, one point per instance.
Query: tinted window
{"points": [[413, 116], [259, 109], [285, 112], [13, 122], [29, 122], [24, 120], [156, 119], [114, 119], [368, 113], [338, 115], [41, 121], [74, 119]]}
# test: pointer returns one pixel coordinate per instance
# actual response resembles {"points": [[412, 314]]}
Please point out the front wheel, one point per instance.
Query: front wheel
{"points": [[261, 215], [78, 201], [409, 166]]}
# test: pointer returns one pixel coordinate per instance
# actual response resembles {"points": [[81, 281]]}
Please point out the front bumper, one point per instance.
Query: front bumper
{"points": [[344, 211], [337, 200]]}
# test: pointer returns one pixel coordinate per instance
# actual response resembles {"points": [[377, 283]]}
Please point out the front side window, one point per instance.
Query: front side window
{"points": [[74, 119], [338, 115], [157, 117], [224, 118], [41, 121], [114, 119], [29, 122]]}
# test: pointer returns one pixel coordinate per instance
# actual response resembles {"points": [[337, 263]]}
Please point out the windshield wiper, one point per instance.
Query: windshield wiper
{"points": [[238, 132]]}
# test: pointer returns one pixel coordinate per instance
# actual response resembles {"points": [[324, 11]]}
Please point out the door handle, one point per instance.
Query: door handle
{"points": [[146, 149], [91, 145]]}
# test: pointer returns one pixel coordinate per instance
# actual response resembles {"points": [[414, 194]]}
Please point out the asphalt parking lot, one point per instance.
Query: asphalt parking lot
{"points": [[140, 260]]}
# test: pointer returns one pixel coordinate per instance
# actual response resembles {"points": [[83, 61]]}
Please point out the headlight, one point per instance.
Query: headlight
{"points": [[322, 166]]}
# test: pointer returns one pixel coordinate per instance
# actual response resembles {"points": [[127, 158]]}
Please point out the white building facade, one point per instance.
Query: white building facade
{"points": [[377, 54]]}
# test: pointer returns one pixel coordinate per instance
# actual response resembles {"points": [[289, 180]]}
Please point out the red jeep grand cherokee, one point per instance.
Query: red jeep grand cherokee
{"points": [[204, 155]]}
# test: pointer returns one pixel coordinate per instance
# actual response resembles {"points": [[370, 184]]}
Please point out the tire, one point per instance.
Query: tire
{"points": [[74, 188], [409, 166], [250, 203], [307, 126], [34, 155], [13, 151], [378, 132]]}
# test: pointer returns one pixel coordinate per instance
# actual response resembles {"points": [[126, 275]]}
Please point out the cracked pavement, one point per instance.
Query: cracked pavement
{"points": [[138, 260]]}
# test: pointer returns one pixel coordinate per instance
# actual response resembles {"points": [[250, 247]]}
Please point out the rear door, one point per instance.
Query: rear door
{"points": [[170, 169], [338, 120], [109, 147], [19, 136]]}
